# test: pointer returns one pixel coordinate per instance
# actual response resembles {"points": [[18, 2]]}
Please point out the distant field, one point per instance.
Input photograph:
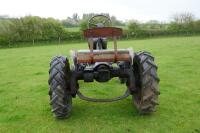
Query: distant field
{"points": [[24, 103], [74, 29]]}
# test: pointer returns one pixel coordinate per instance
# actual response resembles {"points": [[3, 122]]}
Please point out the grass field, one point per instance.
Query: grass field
{"points": [[24, 103], [73, 29]]}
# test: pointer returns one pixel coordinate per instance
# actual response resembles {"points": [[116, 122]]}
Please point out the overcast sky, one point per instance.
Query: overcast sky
{"points": [[142, 10]]}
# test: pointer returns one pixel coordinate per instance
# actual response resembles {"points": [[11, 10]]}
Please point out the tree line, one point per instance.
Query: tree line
{"points": [[36, 29], [32, 29]]}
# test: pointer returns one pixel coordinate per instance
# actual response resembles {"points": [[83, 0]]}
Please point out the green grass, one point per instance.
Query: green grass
{"points": [[73, 29], [24, 103]]}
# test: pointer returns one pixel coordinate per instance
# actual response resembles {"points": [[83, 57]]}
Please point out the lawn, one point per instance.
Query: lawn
{"points": [[24, 103]]}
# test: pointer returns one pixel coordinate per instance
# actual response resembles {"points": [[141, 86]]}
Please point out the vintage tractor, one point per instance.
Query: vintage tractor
{"points": [[137, 70]]}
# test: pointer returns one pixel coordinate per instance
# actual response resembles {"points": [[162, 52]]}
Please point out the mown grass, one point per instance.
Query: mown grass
{"points": [[24, 103]]}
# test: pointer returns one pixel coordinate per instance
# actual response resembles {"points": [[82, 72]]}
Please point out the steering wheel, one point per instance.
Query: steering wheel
{"points": [[99, 21]]}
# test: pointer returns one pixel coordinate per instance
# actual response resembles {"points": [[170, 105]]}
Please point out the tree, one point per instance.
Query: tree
{"points": [[197, 26], [8, 31], [183, 22], [152, 24], [59, 30], [53, 29], [133, 28], [84, 24], [75, 17], [32, 28], [116, 22], [71, 21], [183, 18]]}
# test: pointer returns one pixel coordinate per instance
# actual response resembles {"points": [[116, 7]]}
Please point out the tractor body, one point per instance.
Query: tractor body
{"points": [[136, 70], [99, 63]]}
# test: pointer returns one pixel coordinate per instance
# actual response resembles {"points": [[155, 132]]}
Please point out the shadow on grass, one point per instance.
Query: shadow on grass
{"points": [[86, 111]]}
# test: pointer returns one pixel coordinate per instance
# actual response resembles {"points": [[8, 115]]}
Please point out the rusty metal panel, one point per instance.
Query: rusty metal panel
{"points": [[102, 56], [103, 32]]}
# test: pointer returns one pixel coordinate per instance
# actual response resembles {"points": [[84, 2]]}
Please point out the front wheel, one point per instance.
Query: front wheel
{"points": [[146, 80]]}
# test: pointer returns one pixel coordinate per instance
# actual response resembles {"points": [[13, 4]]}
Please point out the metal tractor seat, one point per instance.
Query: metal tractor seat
{"points": [[111, 55]]}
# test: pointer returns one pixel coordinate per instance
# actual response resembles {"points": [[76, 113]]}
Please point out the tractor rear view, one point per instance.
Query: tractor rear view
{"points": [[136, 70]]}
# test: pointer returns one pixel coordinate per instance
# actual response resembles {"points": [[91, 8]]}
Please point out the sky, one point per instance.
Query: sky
{"points": [[142, 10]]}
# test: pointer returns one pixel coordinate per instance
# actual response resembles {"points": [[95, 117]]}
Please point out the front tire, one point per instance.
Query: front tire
{"points": [[59, 92], [146, 79]]}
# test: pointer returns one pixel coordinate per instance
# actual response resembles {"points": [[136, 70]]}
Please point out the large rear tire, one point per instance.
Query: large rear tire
{"points": [[146, 80], [59, 92]]}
